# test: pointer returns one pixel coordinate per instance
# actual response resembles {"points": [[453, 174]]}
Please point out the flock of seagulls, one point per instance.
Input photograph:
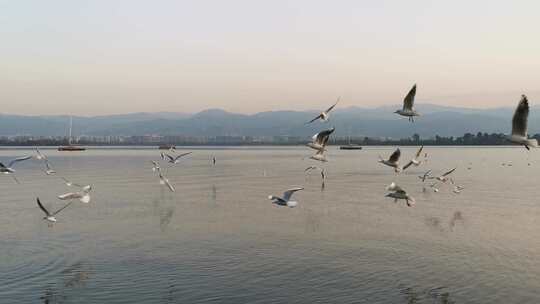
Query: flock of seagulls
{"points": [[319, 143], [83, 195], [320, 140]]}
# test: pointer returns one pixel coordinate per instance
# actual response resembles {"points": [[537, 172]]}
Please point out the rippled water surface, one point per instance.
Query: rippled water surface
{"points": [[218, 239]]}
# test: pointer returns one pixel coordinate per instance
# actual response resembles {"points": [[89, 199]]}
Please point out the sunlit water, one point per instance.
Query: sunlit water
{"points": [[219, 239]]}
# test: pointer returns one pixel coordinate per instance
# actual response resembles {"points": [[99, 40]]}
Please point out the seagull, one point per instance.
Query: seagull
{"points": [[408, 104], [9, 168], [519, 125], [393, 187], [48, 170], [321, 139], [83, 196], [393, 161], [324, 115], [444, 178], [458, 189], [319, 156], [286, 199], [50, 216], [164, 181], [40, 156], [415, 160], [425, 176], [323, 174], [155, 166], [70, 184], [176, 159], [399, 193]]}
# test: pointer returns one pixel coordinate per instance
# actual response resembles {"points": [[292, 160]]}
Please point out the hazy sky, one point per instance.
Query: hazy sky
{"points": [[101, 57]]}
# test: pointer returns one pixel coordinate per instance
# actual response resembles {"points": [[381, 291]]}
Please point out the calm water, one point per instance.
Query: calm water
{"points": [[218, 239]]}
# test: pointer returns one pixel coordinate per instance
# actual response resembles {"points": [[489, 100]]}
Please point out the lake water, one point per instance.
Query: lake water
{"points": [[218, 239]]}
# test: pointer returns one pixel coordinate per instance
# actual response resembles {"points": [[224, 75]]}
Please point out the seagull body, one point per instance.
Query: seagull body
{"points": [[398, 193], [519, 125], [444, 178], [155, 166], [324, 115], [392, 161], [39, 155], [408, 105], [415, 161], [286, 199], [71, 184], [48, 170], [425, 176], [50, 217], [9, 168], [321, 139], [319, 156], [164, 181], [458, 189], [83, 196], [174, 159]]}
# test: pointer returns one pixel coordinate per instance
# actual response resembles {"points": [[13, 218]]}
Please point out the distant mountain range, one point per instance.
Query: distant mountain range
{"points": [[354, 121]]}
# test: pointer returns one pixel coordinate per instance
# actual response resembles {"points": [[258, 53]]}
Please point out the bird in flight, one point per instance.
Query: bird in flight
{"points": [[50, 217], [519, 125], [324, 116], [408, 105], [285, 200]]}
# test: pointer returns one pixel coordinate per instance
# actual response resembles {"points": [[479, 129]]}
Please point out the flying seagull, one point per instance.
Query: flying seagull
{"points": [[321, 139], [48, 170], [310, 168], [408, 105], [50, 216], [415, 161], [83, 196], [155, 166], [425, 176], [519, 125], [324, 115], [175, 159], [9, 168], [319, 156], [39, 155], [70, 184], [286, 199], [392, 161], [164, 181], [444, 178], [398, 193]]}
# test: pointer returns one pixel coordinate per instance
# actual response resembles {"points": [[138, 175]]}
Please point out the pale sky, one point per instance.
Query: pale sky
{"points": [[112, 56]]}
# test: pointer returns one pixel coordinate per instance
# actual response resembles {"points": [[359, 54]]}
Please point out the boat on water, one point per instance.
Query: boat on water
{"points": [[350, 147], [70, 147]]}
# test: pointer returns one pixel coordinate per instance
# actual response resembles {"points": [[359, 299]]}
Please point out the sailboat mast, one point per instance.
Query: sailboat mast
{"points": [[70, 126]]}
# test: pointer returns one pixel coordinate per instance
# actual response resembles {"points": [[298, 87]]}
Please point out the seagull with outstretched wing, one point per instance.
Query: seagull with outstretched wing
{"points": [[519, 125], [408, 105], [50, 217], [285, 200], [324, 116]]}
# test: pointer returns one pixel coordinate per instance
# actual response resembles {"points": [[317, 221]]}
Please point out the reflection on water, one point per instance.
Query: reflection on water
{"points": [[137, 242], [434, 295]]}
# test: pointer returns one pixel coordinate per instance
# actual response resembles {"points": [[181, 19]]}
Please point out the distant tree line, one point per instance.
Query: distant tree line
{"points": [[468, 139]]}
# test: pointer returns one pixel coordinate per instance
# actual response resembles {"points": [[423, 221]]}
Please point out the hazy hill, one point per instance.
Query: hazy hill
{"points": [[356, 121]]}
